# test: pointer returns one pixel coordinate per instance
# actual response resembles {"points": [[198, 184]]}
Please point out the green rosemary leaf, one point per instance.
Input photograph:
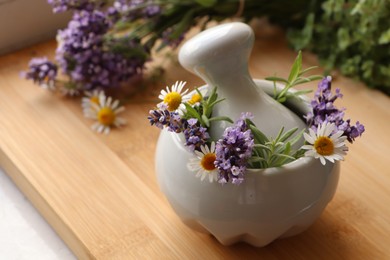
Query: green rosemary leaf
{"points": [[255, 159], [213, 96], [297, 137], [287, 148], [205, 121], [262, 146], [306, 80], [288, 134], [315, 77], [301, 81], [307, 70], [277, 79], [279, 134], [191, 112], [215, 102], [221, 118], [296, 68], [259, 136]]}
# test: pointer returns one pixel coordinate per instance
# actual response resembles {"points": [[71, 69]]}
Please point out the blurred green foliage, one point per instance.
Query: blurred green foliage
{"points": [[352, 36]]}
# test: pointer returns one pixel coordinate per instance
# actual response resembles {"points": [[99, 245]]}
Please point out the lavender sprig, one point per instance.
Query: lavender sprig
{"points": [[42, 72], [233, 152], [195, 135], [324, 110], [60, 6], [162, 117], [295, 78], [88, 57]]}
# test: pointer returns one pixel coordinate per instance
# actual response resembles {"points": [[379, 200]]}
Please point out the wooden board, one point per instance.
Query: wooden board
{"points": [[100, 194]]}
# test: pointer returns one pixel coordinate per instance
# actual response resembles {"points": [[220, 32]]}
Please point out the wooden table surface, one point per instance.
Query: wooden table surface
{"points": [[100, 193]]}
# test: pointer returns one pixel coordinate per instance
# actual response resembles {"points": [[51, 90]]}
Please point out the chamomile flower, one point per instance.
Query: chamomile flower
{"points": [[174, 97], [106, 114], [194, 98], [92, 97], [326, 144], [203, 163]]}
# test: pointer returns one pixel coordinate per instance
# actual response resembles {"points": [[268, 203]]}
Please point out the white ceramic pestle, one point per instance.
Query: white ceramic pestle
{"points": [[220, 55]]}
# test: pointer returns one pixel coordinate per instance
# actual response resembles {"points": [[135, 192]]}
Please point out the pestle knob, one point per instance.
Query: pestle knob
{"points": [[219, 56]]}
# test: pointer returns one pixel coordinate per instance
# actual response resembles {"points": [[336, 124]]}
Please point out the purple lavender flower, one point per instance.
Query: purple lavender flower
{"points": [[168, 39], [135, 9], [233, 152], [41, 71], [195, 135], [325, 111], [152, 11], [176, 123], [65, 5], [90, 58], [162, 117]]}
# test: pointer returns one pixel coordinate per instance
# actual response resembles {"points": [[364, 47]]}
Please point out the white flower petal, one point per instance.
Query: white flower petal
{"points": [[115, 104], [119, 110], [199, 154], [322, 159], [309, 138], [212, 147], [203, 149]]}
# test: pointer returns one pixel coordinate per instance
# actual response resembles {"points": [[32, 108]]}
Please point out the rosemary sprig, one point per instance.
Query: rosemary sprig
{"points": [[273, 152], [204, 112], [295, 78]]}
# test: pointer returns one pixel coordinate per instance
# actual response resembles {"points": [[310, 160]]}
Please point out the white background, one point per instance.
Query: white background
{"points": [[24, 234]]}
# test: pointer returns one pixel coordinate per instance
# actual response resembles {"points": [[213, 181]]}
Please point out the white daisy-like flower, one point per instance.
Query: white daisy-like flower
{"points": [[327, 143], [174, 97], [106, 113], [91, 97], [194, 98], [203, 163]]}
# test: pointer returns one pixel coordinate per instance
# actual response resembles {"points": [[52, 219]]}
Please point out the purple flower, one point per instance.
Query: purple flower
{"points": [[162, 117], [233, 151], [65, 5], [41, 71], [195, 135], [135, 9], [169, 38], [324, 110], [91, 58]]}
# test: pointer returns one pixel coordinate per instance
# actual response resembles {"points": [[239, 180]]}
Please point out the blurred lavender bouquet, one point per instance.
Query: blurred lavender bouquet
{"points": [[108, 42]]}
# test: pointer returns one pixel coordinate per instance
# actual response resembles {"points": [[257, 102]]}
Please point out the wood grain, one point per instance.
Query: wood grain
{"points": [[100, 194]]}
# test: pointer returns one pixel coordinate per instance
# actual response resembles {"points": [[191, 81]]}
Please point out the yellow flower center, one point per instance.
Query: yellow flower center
{"points": [[94, 99], [195, 99], [207, 161], [324, 145], [106, 116], [173, 100]]}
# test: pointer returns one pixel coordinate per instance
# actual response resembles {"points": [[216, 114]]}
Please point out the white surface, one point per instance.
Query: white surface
{"points": [[220, 55], [26, 22], [24, 234], [270, 203]]}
